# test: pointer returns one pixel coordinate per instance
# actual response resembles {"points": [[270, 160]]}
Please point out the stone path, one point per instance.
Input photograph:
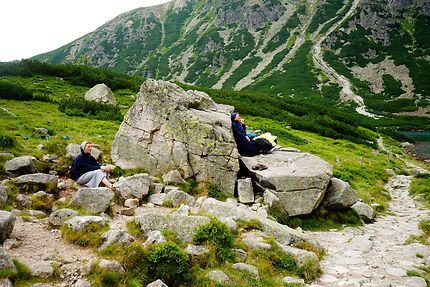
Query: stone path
{"points": [[375, 255]]}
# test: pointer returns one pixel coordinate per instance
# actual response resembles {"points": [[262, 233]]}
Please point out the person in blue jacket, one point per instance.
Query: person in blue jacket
{"points": [[87, 171], [245, 145]]}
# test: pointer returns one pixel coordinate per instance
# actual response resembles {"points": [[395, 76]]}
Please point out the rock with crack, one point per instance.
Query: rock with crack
{"points": [[298, 179], [169, 128], [185, 227]]}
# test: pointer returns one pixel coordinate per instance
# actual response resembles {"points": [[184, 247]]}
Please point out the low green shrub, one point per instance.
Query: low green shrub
{"points": [[250, 224], [167, 262], [7, 142], [216, 193], [83, 108], [217, 234]]}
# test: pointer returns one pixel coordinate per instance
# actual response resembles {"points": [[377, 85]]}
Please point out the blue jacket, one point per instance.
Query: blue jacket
{"points": [[245, 147], [83, 163]]}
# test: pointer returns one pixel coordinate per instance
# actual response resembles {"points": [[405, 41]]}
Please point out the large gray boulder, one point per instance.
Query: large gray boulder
{"points": [[73, 150], [168, 128], [136, 186], [102, 94], [298, 179], [21, 165], [339, 195], [7, 223], [92, 200], [37, 181], [6, 262], [185, 227]]}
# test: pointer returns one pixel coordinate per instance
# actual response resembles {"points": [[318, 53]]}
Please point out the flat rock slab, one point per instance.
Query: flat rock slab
{"points": [[297, 178]]}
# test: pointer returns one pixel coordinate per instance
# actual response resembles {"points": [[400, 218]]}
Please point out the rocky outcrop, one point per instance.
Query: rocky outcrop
{"points": [[92, 200], [102, 94], [7, 222], [36, 182], [168, 129], [299, 180], [185, 227], [21, 165]]}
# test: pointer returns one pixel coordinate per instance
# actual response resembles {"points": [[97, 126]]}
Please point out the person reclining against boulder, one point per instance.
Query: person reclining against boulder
{"points": [[87, 171], [245, 145]]}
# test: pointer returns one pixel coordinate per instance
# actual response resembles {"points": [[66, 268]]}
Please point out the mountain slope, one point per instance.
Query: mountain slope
{"points": [[323, 50]]}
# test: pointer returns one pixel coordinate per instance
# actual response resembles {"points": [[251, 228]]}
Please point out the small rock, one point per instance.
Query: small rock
{"points": [[82, 283], [251, 269], [245, 190], [131, 202], [112, 266], [364, 210], [218, 276], [183, 209], [173, 177], [240, 254], [154, 237], [293, 281], [157, 283], [196, 250], [128, 211], [42, 269]]}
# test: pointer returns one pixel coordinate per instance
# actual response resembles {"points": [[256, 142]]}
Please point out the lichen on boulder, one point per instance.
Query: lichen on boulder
{"points": [[169, 128]]}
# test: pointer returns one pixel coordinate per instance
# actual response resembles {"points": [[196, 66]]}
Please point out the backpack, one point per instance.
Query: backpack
{"points": [[263, 144]]}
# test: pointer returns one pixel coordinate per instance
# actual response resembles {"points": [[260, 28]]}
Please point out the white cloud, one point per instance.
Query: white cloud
{"points": [[29, 27]]}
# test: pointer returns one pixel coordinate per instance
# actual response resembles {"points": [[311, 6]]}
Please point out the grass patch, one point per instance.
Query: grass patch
{"points": [[420, 185], [250, 224], [89, 236]]}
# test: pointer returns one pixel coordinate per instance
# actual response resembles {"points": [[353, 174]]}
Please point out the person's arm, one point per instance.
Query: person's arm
{"points": [[237, 130]]}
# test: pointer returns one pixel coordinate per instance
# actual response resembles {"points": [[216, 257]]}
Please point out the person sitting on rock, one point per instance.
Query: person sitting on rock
{"points": [[87, 171], [245, 145]]}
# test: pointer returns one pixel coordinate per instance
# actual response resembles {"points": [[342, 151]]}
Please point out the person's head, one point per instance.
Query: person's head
{"points": [[86, 147], [235, 117]]}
